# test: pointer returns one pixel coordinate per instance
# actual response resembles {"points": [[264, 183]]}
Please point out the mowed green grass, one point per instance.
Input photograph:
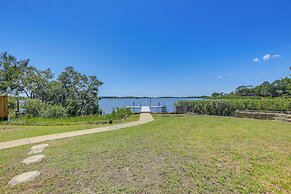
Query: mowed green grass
{"points": [[14, 132], [176, 154]]}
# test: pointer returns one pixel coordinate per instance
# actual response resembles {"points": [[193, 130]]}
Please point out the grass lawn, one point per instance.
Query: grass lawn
{"points": [[176, 154], [14, 132]]}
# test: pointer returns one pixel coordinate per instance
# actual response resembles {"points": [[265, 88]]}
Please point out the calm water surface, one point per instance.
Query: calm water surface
{"points": [[107, 105]]}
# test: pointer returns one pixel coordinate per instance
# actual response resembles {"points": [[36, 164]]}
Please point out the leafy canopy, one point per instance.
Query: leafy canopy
{"points": [[77, 93]]}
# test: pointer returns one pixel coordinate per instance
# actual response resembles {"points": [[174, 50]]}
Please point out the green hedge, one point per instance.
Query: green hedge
{"points": [[226, 107], [116, 116]]}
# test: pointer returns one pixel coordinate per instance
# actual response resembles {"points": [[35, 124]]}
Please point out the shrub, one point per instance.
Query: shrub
{"points": [[120, 113], [55, 111], [34, 107], [227, 107], [37, 108], [12, 102]]}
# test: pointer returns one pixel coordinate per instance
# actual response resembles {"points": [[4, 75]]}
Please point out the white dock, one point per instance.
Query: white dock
{"points": [[147, 109]]}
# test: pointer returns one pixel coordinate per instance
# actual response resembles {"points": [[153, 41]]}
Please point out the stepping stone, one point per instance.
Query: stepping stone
{"points": [[35, 151], [25, 177], [40, 146], [33, 159]]}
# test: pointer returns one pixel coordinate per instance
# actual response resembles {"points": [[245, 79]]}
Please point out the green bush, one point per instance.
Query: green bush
{"points": [[227, 107], [37, 108], [55, 111], [117, 116], [12, 102], [120, 113], [34, 107]]}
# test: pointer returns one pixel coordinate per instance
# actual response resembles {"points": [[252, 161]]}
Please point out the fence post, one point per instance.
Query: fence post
{"points": [[3, 108]]}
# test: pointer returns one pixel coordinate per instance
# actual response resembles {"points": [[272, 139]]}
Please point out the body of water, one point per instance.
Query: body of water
{"points": [[107, 105]]}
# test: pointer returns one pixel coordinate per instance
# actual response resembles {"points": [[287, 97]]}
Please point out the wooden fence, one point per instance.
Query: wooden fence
{"points": [[3, 107]]}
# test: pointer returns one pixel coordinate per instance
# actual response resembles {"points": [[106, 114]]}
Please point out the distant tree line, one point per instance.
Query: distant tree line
{"points": [[71, 92], [278, 88]]}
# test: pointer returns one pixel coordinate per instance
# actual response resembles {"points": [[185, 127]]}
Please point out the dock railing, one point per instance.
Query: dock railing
{"points": [[151, 109]]}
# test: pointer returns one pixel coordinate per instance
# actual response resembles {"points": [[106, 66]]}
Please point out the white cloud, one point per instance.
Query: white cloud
{"points": [[266, 57], [275, 56], [256, 60], [219, 77]]}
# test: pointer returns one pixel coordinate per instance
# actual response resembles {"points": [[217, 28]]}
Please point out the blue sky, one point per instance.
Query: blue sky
{"points": [[152, 47]]}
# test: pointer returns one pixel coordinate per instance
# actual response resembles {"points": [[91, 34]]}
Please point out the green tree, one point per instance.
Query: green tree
{"points": [[282, 86], [81, 92], [35, 83], [245, 91], [265, 89], [11, 74], [77, 93], [217, 94]]}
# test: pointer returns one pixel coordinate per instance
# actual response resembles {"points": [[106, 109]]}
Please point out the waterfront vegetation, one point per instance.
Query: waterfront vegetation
{"points": [[116, 116], [278, 88], [173, 154], [227, 107], [275, 96], [69, 94], [25, 127]]}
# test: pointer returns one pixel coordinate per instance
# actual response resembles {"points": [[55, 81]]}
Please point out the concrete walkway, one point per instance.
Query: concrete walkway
{"points": [[144, 118]]}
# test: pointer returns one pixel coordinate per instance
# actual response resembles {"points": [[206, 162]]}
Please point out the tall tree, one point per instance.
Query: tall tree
{"points": [[35, 83], [76, 92], [265, 90], [245, 91], [81, 92], [11, 74]]}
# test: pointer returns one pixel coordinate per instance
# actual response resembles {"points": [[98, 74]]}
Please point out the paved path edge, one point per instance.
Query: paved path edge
{"points": [[144, 118]]}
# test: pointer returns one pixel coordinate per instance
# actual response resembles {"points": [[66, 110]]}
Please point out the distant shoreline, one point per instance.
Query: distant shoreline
{"points": [[139, 97]]}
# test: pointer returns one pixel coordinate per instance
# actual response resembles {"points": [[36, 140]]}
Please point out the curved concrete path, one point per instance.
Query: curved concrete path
{"points": [[144, 118]]}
